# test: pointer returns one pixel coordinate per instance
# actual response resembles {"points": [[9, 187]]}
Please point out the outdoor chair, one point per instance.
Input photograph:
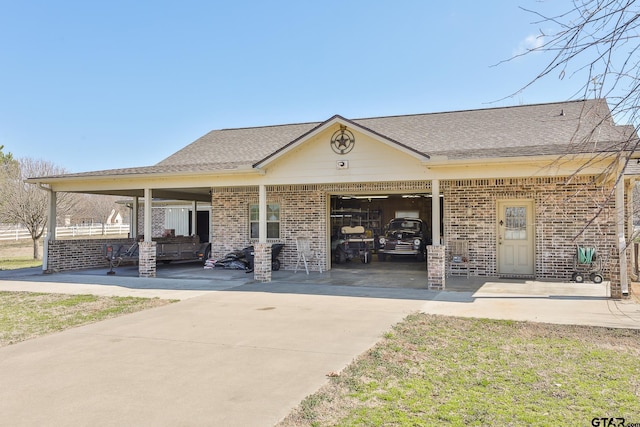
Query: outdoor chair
{"points": [[458, 258], [305, 254]]}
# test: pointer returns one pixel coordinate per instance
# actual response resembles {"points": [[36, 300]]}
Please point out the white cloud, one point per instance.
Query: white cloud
{"points": [[531, 42]]}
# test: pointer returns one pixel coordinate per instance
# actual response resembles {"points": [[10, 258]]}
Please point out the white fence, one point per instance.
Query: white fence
{"points": [[8, 233]]}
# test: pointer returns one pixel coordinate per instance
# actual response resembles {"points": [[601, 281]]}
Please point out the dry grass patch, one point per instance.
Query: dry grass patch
{"points": [[14, 255], [436, 370], [26, 315]]}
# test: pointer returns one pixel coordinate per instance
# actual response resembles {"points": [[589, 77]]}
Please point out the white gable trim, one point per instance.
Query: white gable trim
{"points": [[423, 157]]}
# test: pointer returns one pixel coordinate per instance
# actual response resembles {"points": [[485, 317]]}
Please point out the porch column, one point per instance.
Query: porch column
{"points": [[436, 265], [134, 218], [262, 249], [194, 218], [51, 229], [147, 252], [148, 220], [622, 244], [435, 212], [51, 220]]}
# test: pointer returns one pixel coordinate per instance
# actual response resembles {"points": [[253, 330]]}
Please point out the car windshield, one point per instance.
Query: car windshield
{"points": [[404, 225]]}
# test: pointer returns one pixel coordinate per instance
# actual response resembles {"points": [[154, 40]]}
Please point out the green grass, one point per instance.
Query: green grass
{"points": [[19, 262], [26, 315], [436, 370]]}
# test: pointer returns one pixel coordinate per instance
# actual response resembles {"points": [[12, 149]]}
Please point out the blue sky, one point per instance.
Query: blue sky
{"points": [[92, 85]]}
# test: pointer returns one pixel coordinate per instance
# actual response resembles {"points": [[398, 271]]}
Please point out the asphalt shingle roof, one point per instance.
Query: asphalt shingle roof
{"points": [[495, 132], [541, 129]]}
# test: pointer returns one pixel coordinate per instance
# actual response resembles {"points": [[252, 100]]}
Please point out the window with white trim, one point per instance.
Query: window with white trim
{"points": [[273, 220]]}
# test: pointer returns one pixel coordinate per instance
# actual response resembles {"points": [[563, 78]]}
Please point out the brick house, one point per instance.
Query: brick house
{"points": [[524, 186]]}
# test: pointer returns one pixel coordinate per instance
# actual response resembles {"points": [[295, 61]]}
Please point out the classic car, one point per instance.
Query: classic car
{"points": [[403, 236]]}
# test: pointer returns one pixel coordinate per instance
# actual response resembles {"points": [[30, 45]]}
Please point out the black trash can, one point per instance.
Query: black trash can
{"points": [[248, 255]]}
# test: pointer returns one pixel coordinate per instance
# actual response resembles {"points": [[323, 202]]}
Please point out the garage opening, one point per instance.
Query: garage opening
{"points": [[396, 229]]}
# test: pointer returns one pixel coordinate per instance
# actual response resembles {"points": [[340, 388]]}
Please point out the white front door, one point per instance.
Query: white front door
{"points": [[515, 237]]}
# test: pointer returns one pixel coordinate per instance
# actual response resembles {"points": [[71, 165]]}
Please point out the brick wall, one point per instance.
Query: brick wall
{"points": [[157, 220], [230, 219], [566, 214], [301, 213], [65, 255], [579, 212]]}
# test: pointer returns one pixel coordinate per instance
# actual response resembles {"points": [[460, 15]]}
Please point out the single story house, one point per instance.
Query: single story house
{"points": [[524, 186]]}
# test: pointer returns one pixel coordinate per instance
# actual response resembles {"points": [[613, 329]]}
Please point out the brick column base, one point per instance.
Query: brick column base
{"points": [[615, 286], [262, 262], [436, 268], [147, 259]]}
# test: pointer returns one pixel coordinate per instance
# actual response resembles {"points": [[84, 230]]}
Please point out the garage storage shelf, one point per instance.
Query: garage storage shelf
{"points": [[369, 219]]}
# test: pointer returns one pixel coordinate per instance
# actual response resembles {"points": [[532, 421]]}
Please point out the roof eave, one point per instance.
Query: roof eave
{"points": [[244, 170], [444, 161]]}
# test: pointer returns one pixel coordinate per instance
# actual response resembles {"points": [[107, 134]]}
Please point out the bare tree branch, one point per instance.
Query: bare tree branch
{"points": [[27, 204]]}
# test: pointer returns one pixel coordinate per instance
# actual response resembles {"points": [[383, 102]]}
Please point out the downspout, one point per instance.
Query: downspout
{"points": [[622, 244], [630, 229]]}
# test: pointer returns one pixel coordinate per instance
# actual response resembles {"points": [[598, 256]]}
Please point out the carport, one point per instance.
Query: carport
{"points": [[505, 192]]}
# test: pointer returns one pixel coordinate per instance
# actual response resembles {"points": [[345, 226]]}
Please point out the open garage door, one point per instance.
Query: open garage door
{"points": [[371, 214]]}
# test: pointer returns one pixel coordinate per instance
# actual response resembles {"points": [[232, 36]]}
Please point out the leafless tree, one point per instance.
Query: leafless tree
{"points": [[597, 42], [95, 208], [27, 204]]}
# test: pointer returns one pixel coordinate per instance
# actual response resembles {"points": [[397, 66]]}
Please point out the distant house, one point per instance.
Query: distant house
{"points": [[114, 217], [523, 186]]}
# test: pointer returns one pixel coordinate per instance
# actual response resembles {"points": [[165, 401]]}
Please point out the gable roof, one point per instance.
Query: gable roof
{"points": [[531, 130], [540, 129], [337, 119]]}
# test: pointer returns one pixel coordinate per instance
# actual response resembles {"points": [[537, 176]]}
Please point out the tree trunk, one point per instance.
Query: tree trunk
{"points": [[36, 255]]}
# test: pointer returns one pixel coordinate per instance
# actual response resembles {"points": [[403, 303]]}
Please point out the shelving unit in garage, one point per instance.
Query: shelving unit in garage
{"points": [[369, 219]]}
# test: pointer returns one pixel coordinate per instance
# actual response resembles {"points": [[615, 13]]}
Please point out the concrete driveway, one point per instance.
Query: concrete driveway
{"points": [[239, 353]]}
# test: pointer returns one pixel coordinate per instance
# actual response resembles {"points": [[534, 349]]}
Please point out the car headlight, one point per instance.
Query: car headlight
{"points": [[382, 240], [416, 243]]}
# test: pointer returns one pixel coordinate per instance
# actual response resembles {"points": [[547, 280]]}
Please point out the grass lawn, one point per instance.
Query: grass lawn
{"points": [[435, 370], [14, 255], [19, 262], [25, 315]]}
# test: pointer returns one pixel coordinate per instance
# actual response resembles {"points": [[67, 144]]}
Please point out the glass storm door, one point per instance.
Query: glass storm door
{"points": [[515, 237]]}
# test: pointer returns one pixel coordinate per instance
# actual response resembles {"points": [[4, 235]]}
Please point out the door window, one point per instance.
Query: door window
{"points": [[515, 223]]}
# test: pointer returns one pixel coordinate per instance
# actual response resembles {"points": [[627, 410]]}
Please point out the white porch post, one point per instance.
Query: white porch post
{"points": [[147, 248], [262, 218], [622, 243], [262, 249], [194, 218], [51, 229], [134, 218], [51, 220], [148, 222], [436, 264], [435, 212]]}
